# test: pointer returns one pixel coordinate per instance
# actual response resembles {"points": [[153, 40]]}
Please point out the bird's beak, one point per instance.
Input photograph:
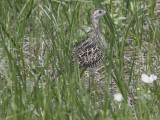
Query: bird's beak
{"points": [[110, 12]]}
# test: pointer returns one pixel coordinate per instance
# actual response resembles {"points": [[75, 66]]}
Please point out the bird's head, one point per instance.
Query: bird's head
{"points": [[97, 13]]}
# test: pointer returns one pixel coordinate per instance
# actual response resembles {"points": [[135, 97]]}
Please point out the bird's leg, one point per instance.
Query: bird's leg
{"points": [[91, 81]]}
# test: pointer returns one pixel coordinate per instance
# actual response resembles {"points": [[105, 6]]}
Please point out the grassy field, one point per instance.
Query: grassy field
{"points": [[36, 40]]}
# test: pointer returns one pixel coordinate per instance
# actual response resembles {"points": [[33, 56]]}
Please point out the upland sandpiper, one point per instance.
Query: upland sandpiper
{"points": [[90, 53]]}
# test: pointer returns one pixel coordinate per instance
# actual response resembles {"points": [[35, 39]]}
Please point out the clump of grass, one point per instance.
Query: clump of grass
{"points": [[36, 40]]}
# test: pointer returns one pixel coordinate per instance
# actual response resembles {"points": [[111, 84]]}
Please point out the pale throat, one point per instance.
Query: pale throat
{"points": [[95, 23]]}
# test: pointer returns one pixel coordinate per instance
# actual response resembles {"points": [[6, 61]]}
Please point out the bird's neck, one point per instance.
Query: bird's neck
{"points": [[98, 33], [96, 26]]}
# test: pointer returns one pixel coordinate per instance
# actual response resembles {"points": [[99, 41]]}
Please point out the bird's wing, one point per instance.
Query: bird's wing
{"points": [[88, 54]]}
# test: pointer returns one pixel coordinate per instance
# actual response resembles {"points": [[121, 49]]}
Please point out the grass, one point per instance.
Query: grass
{"points": [[36, 40]]}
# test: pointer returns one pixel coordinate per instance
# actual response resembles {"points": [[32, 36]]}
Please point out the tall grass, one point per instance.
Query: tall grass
{"points": [[38, 80]]}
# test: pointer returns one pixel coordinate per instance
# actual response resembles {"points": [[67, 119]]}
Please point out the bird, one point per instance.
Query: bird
{"points": [[91, 53]]}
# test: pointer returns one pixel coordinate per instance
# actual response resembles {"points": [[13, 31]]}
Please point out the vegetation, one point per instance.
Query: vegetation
{"points": [[37, 79]]}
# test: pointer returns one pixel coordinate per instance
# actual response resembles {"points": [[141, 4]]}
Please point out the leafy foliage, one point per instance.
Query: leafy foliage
{"points": [[37, 79]]}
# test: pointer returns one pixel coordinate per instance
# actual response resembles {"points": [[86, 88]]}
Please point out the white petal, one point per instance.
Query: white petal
{"points": [[153, 77], [118, 97], [150, 79], [144, 78]]}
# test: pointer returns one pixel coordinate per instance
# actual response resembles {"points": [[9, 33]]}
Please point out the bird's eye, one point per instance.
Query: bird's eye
{"points": [[100, 12]]}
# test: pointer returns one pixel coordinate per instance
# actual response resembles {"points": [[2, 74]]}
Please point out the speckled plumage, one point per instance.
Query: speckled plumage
{"points": [[90, 53]]}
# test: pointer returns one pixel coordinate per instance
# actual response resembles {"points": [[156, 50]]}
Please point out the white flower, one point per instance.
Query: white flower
{"points": [[145, 78], [149, 91], [138, 89], [118, 97]]}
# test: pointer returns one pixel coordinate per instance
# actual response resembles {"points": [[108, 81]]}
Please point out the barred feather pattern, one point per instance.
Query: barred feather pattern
{"points": [[88, 54]]}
